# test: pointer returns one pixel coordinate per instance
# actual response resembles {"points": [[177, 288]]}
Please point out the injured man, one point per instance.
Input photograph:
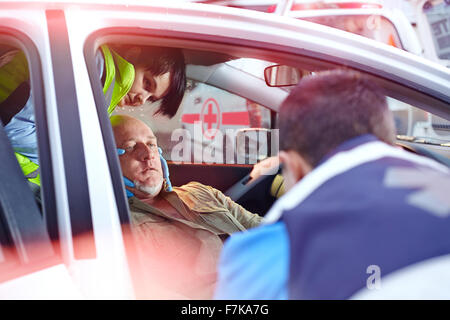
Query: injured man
{"points": [[180, 230]]}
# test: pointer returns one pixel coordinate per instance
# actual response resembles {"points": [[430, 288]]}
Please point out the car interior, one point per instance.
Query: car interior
{"points": [[244, 73]]}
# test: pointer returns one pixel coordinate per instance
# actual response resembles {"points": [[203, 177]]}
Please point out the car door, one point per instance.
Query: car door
{"points": [[31, 263], [30, 267], [299, 44], [77, 262]]}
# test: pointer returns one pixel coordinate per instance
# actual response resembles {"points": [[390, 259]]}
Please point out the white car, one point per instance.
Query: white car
{"points": [[78, 244]]}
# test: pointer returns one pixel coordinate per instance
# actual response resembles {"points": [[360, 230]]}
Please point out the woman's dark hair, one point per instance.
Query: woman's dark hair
{"points": [[329, 108], [160, 60]]}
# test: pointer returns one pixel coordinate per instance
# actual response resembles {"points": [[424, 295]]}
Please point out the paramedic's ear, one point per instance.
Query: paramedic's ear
{"points": [[295, 167]]}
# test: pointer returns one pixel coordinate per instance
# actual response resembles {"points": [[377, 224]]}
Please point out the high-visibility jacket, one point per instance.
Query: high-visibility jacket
{"points": [[119, 77], [29, 169], [13, 71]]}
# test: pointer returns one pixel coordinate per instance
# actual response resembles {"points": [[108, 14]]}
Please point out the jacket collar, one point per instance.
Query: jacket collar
{"points": [[348, 145]]}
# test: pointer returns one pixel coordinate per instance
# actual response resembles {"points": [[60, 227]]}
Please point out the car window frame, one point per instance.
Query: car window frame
{"points": [[297, 57], [81, 221], [31, 234]]}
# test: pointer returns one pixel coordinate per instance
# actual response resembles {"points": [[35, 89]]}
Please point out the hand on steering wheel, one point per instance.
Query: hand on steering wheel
{"points": [[268, 166], [266, 169]]}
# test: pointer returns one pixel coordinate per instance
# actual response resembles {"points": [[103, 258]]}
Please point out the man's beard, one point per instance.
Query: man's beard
{"points": [[150, 190]]}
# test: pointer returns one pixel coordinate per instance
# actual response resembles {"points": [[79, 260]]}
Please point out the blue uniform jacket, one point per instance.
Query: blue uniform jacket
{"points": [[367, 206]]}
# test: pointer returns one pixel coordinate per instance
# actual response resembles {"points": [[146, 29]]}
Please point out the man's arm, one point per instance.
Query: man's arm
{"points": [[246, 218], [206, 199]]}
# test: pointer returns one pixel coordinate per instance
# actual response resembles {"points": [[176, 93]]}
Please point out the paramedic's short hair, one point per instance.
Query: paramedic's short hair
{"points": [[329, 108], [160, 60]]}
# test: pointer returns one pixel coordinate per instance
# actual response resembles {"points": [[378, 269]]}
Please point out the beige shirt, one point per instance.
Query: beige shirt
{"points": [[181, 252]]}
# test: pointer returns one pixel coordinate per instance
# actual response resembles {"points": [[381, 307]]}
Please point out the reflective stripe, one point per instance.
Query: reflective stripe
{"points": [[34, 174], [110, 70], [109, 93], [30, 169]]}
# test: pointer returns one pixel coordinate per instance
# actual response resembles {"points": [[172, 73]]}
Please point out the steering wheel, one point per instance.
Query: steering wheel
{"points": [[424, 152], [247, 185]]}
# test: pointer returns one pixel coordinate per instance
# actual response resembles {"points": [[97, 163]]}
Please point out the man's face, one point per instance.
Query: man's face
{"points": [[146, 87], [140, 163]]}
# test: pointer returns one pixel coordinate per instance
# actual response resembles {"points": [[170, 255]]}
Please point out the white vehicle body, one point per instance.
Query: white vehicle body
{"points": [[373, 18], [73, 273], [433, 26]]}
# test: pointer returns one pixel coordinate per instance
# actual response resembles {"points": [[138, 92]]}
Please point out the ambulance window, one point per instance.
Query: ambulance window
{"points": [[438, 17], [373, 27]]}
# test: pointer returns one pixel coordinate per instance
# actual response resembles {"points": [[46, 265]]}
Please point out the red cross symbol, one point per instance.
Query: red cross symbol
{"points": [[210, 116]]}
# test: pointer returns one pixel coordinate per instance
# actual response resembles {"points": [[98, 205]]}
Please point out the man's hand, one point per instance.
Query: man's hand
{"points": [[267, 166]]}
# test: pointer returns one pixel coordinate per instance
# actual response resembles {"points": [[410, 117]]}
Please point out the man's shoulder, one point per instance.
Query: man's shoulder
{"points": [[197, 190], [193, 185], [197, 196]]}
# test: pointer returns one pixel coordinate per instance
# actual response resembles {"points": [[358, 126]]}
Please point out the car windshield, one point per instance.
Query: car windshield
{"points": [[414, 124]]}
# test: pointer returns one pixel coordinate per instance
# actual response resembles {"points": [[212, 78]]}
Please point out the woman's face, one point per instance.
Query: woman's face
{"points": [[146, 87]]}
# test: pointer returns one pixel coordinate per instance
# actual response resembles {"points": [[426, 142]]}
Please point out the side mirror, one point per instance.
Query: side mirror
{"points": [[282, 76]]}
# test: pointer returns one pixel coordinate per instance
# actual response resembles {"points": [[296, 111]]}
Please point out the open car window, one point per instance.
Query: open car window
{"points": [[218, 100], [206, 126]]}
